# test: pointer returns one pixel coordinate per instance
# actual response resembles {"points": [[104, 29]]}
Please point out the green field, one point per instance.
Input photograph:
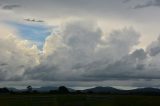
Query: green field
{"points": [[78, 100]]}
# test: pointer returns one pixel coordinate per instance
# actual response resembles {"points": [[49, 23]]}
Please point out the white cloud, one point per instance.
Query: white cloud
{"points": [[15, 55]]}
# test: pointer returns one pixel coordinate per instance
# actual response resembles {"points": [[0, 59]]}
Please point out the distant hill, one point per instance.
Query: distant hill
{"points": [[145, 90], [103, 90], [107, 90], [111, 90]]}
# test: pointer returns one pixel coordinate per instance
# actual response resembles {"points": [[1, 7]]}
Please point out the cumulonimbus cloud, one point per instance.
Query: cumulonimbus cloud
{"points": [[78, 53]]}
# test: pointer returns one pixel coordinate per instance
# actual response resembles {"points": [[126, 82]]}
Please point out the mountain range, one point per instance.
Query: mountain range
{"points": [[109, 90]]}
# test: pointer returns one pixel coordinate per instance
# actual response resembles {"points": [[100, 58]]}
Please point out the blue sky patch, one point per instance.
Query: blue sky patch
{"points": [[35, 32]]}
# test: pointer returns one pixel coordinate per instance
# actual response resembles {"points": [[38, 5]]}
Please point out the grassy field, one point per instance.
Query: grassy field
{"points": [[78, 100]]}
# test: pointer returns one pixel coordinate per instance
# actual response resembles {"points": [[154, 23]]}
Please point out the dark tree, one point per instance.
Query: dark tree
{"points": [[4, 90], [63, 89], [29, 88]]}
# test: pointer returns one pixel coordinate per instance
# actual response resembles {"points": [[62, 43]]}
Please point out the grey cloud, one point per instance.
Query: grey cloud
{"points": [[140, 54], [3, 64], [148, 4], [148, 83], [10, 7], [154, 48], [33, 20], [126, 1], [129, 67], [63, 8], [42, 72], [154, 51]]}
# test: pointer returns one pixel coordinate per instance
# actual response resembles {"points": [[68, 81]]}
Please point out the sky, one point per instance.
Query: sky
{"points": [[80, 43]]}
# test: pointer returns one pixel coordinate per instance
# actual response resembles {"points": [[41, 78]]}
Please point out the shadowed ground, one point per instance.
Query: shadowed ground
{"points": [[78, 100]]}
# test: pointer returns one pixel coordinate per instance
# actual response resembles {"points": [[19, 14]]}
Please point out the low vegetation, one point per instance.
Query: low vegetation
{"points": [[78, 100], [64, 97]]}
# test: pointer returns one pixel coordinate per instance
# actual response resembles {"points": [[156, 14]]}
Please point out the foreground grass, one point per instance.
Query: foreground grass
{"points": [[78, 100]]}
